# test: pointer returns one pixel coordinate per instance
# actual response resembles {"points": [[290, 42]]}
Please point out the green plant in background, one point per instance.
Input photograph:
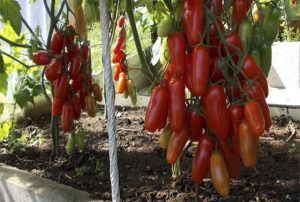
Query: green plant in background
{"points": [[289, 33], [99, 168], [80, 171]]}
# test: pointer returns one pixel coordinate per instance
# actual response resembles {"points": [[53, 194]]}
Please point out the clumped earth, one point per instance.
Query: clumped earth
{"points": [[144, 173]]}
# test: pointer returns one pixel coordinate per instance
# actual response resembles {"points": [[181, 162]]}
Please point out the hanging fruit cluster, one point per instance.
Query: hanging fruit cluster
{"points": [[210, 61], [68, 69], [125, 85]]}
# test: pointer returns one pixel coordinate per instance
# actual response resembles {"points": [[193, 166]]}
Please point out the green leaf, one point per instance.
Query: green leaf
{"points": [[37, 90], [22, 97], [3, 83], [1, 107], [2, 70], [10, 10]]}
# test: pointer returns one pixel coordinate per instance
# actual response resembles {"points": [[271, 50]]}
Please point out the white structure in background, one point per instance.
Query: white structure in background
{"points": [[284, 80]]}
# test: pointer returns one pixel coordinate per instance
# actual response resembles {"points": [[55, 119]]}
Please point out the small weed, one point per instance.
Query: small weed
{"points": [[79, 171]]}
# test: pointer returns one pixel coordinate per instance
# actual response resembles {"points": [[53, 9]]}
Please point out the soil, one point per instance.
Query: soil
{"points": [[144, 173]]}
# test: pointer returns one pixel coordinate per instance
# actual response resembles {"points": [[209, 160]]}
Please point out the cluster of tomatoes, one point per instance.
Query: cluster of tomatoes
{"points": [[226, 111], [67, 67], [124, 86]]}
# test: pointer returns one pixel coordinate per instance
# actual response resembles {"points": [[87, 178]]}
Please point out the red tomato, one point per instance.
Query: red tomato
{"points": [[72, 51], [118, 45], [256, 92], [122, 83], [214, 38], [253, 71], [215, 7], [53, 69], [82, 95], [215, 71], [77, 82], [57, 105], [188, 72], [176, 104], [119, 57], [236, 115], [215, 109], [67, 117], [193, 20], [239, 11], [219, 174], [169, 73], [121, 21], [177, 47], [85, 51], [62, 87], [57, 42], [234, 92], [75, 66], [231, 159], [76, 107], [254, 117], [176, 145], [195, 124], [249, 146], [156, 107], [70, 35], [201, 160], [232, 45], [200, 70], [41, 57]]}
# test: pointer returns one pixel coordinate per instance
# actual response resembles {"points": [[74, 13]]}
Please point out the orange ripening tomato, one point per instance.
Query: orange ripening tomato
{"points": [[176, 104], [200, 70], [249, 145], [53, 69], [176, 145], [256, 93], [121, 86], [91, 107], [231, 159], [193, 20], [41, 57], [236, 115], [219, 174], [254, 117], [215, 109], [117, 71], [200, 164], [97, 91], [157, 107], [67, 117], [177, 48]]}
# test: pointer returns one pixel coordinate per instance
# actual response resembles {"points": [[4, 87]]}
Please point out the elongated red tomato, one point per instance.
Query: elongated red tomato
{"points": [[75, 66], [91, 106], [85, 51], [177, 47], [236, 115], [121, 86], [215, 109], [117, 71], [53, 69], [176, 145], [219, 174], [234, 92], [77, 82], [169, 73], [215, 70], [195, 124], [249, 146], [57, 42], [57, 105], [156, 107], [193, 20], [76, 107], [214, 38], [176, 104], [201, 160], [215, 6], [254, 117], [231, 159], [188, 72], [253, 71], [41, 57], [121, 21], [232, 45], [200, 70], [239, 11], [118, 45], [62, 87], [67, 117], [256, 93]]}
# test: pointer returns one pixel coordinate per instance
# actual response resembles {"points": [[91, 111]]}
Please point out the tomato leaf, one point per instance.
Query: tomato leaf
{"points": [[37, 90], [3, 83], [1, 107], [22, 97], [10, 10], [2, 70]]}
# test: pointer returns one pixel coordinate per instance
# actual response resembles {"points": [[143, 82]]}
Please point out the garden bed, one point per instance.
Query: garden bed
{"points": [[144, 173]]}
